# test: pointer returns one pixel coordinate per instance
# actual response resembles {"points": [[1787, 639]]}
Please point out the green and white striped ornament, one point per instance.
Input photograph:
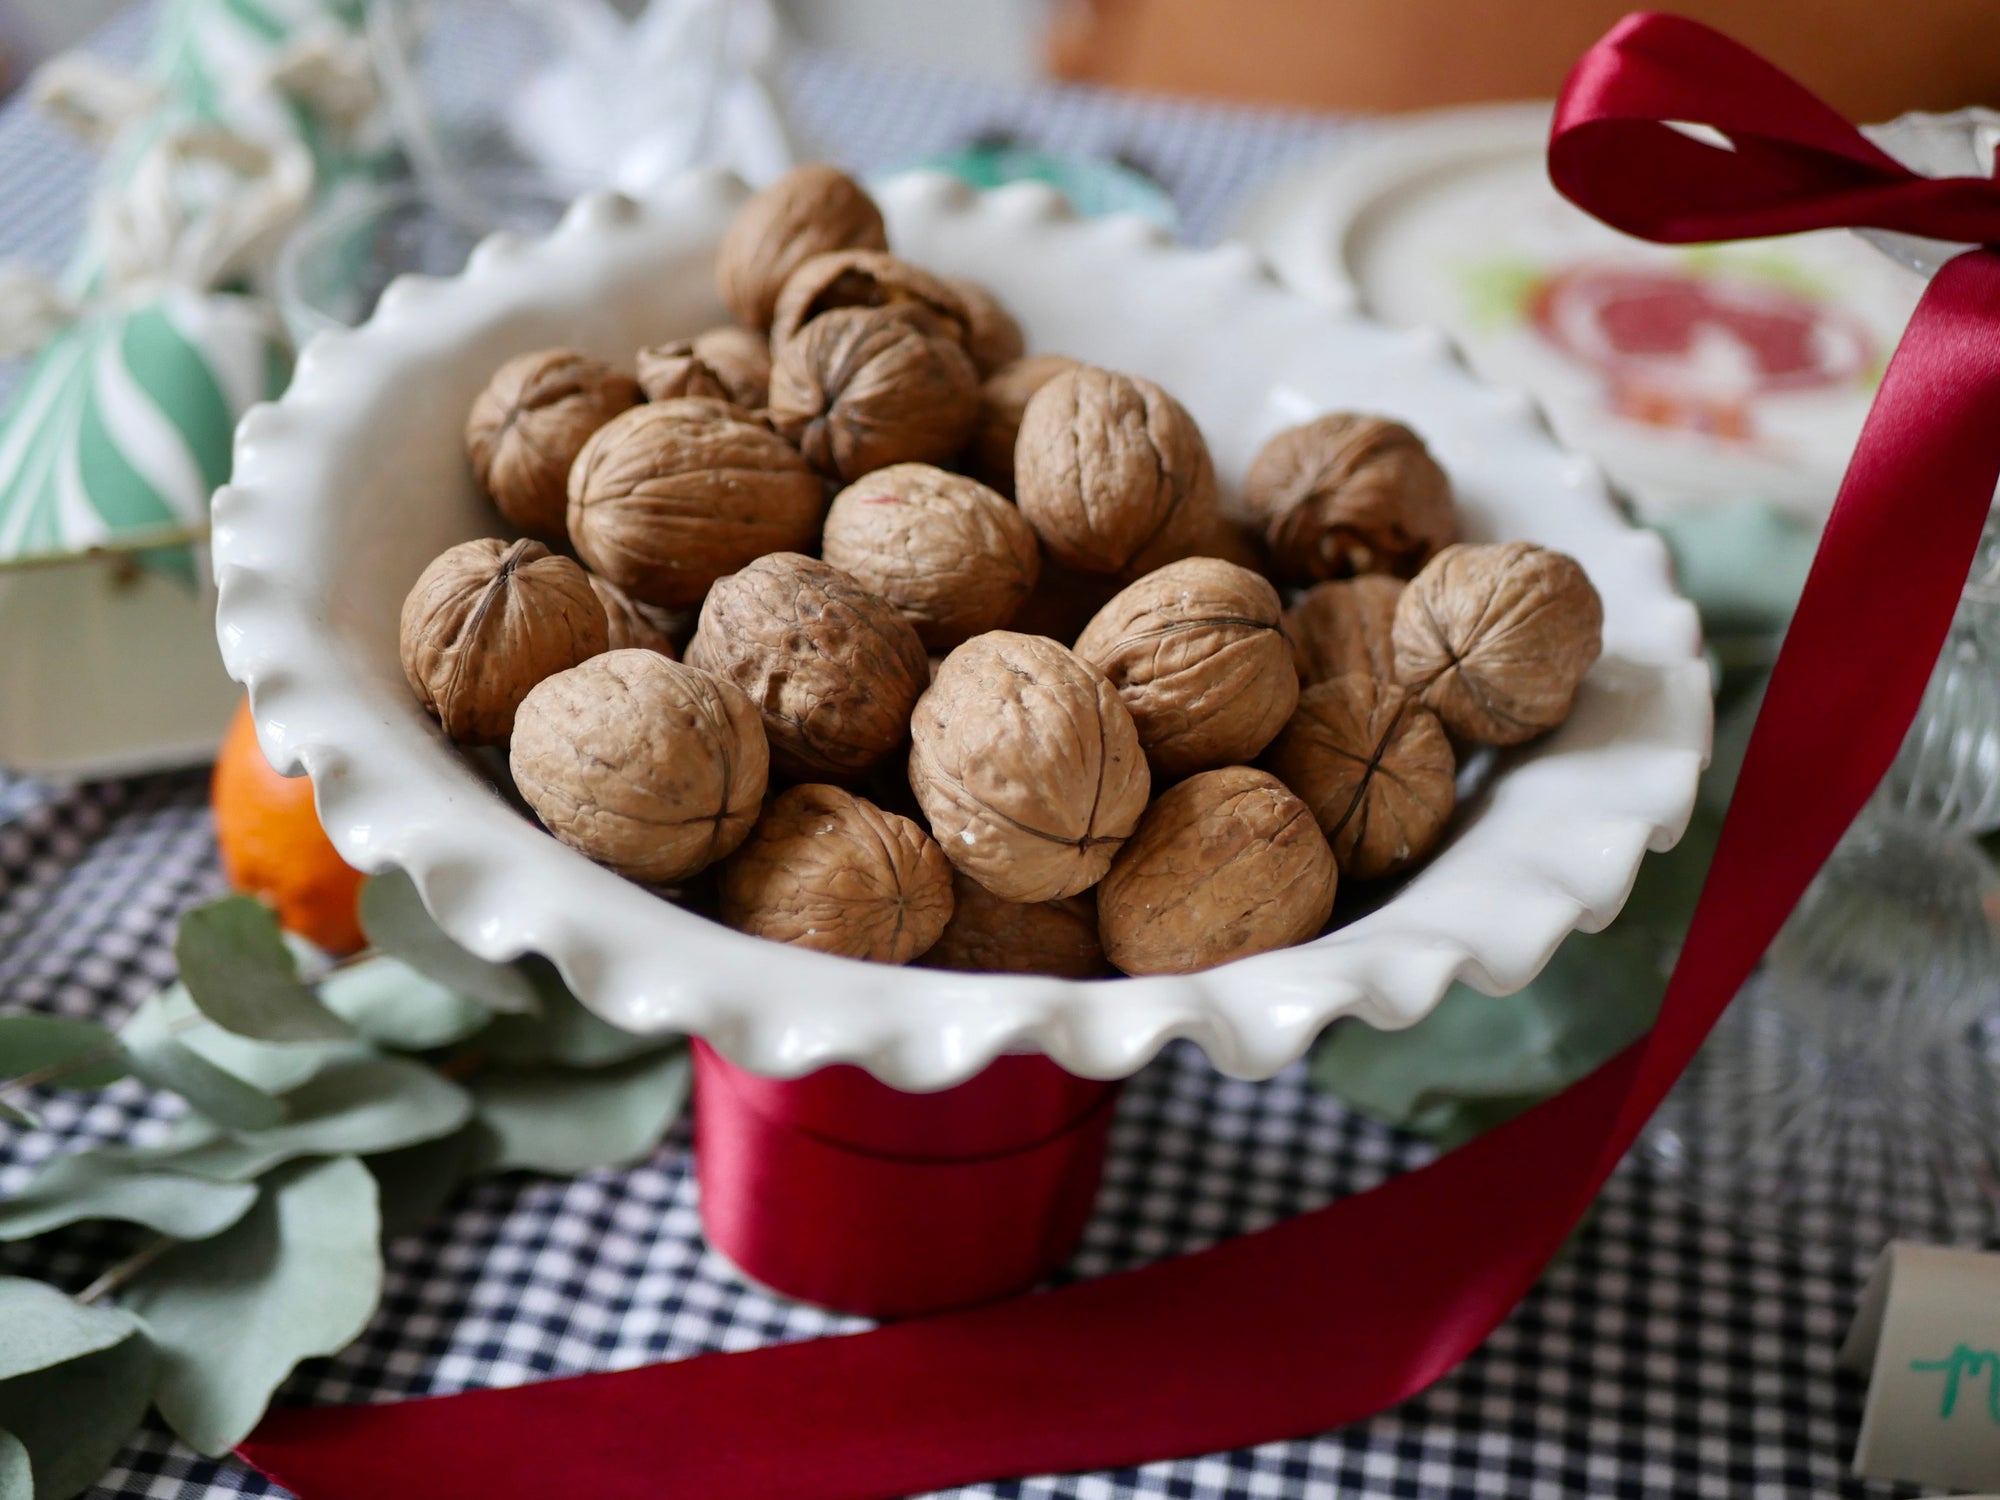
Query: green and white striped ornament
{"points": [[212, 62], [122, 429]]}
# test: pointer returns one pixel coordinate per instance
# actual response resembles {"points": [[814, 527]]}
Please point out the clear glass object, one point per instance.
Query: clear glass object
{"points": [[334, 269], [586, 93], [1852, 1093], [506, 110], [511, 109], [1948, 772], [1849, 1095]]}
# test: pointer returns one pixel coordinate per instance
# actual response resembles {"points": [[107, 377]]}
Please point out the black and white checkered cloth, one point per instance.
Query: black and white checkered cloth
{"points": [[1664, 1355]]}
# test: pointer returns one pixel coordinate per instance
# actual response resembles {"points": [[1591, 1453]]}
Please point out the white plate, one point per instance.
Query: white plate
{"points": [[1697, 376], [352, 482]]}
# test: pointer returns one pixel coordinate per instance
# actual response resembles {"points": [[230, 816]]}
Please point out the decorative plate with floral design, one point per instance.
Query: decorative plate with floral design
{"points": [[1696, 375]]}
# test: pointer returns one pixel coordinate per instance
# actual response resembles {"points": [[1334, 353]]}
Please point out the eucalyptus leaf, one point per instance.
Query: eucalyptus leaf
{"points": [[416, 1182], [271, 1067], [75, 1417], [300, 1276], [89, 1055], [564, 1032], [45, 1328], [14, 1114], [1478, 1060], [170, 1029], [74, 1383], [162, 1055], [552, 1120], [394, 1006], [110, 1184], [235, 964], [354, 1108], [393, 916], [17, 1475]]}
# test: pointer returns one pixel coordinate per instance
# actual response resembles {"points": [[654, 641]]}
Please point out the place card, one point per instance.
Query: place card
{"points": [[1927, 1335]]}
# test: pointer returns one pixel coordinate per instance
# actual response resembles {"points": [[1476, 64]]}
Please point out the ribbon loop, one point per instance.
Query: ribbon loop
{"points": [[1793, 164]]}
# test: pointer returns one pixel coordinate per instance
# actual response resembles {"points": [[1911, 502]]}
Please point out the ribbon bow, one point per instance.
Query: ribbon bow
{"points": [[1790, 163], [1337, 1314]]}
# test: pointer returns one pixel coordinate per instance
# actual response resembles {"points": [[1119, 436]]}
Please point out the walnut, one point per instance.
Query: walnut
{"points": [[987, 935], [1344, 627], [669, 497], [741, 360], [633, 626], [1196, 653], [807, 212], [1497, 638], [647, 766], [833, 669], [953, 556], [1226, 864], [863, 278], [831, 871], [1346, 494], [861, 388], [1112, 473], [670, 371], [1027, 766], [488, 620], [1376, 768], [1002, 399], [528, 425], [992, 337]]}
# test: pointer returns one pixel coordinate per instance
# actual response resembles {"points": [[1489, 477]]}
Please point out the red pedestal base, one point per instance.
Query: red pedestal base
{"points": [[841, 1191]]}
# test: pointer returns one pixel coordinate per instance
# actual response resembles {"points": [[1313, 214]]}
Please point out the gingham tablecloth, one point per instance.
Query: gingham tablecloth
{"points": [[1663, 1355]]}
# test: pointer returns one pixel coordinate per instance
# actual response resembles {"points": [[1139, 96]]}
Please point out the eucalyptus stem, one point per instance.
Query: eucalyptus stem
{"points": [[126, 1269]]}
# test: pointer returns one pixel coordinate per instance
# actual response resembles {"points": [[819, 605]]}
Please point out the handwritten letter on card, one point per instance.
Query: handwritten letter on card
{"points": [[1927, 1335]]}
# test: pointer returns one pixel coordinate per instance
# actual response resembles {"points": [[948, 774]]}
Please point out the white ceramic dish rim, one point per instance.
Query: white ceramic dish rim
{"points": [[1597, 795]]}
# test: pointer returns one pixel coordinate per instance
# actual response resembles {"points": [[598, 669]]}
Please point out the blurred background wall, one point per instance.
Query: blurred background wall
{"points": [[1872, 58], [993, 38]]}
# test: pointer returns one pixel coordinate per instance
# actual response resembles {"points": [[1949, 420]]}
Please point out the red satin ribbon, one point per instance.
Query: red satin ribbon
{"points": [[1337, 1314]]}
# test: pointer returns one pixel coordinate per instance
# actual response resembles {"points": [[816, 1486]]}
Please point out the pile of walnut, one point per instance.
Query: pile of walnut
{"points": [[1046, 713]]}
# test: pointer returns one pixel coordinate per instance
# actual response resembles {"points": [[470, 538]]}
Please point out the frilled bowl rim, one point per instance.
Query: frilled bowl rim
{"points": [[1552, 846]]}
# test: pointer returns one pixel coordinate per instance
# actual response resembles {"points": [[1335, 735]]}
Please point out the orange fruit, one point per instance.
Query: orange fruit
{"points": [[273, 847]]}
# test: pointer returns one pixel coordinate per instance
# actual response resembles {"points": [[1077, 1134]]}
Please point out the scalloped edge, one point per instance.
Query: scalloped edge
{"points": [[390, 794]]}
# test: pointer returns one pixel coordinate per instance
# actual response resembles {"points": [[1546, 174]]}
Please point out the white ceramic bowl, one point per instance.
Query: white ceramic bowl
{"points": [[352, 482]]}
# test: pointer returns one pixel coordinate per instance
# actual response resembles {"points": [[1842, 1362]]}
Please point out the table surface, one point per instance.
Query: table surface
{"points": [[1663, 1354]]}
